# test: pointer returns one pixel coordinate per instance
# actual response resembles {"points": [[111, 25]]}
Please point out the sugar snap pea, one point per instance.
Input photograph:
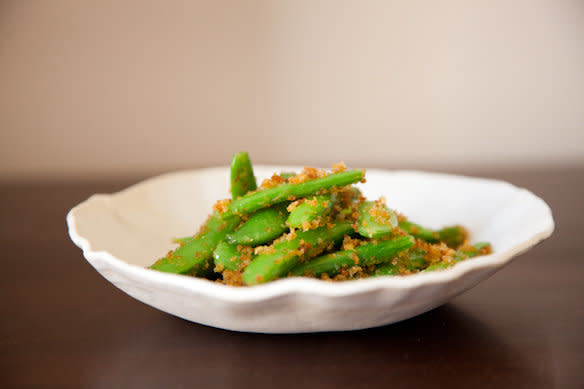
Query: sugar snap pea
{"points": [[245, 239], [280, 193], [386, 269], [438, 266], [230, 256], [375, 220], [419, 232], [364, 255], [460, 255], [283, 256], [310, 210], [242, 177], [412, 260], [183, 240], [261, 227], [194, 256], [453, 236]]}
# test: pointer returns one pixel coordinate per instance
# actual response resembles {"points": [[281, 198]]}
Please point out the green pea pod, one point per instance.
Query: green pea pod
{"points": [[195, 255], [309, 210], [284, 255], [365, 255], [263, 226], [374, 224], [266, 197], [242, 177]]}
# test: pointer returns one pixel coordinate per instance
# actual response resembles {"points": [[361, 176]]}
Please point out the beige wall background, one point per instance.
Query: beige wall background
{"points": [[102, 88]]}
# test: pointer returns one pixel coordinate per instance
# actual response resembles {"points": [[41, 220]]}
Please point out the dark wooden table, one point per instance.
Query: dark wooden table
{"points": [[63, 325]]}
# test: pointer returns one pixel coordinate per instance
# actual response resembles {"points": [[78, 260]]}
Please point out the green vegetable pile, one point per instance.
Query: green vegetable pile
{"points": [[312, 224]]}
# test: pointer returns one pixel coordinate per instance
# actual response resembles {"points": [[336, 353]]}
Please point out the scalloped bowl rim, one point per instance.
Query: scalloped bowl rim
{"points": [[303, 285]]}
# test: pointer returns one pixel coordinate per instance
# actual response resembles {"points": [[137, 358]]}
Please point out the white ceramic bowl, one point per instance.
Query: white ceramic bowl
{"points": [[122, 233]]}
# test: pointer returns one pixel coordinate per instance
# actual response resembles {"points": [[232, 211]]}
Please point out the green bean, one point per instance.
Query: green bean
{"points": [[195, 255], [284, 255], [261, 227], [280, 193], [365, 255], [453, 236], [412, 260], [310, 210], [375, 220], [229, 256], [460, 255], [419, 232], [242, 178]]}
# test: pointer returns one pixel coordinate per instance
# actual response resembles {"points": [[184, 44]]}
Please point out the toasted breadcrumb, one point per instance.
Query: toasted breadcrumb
{"points": [[221, 206], [438, 252], [400, 217], [312, 202], [291, 235], [293, 205], [339, 167], [350, 243], [264, 250], [273, 181], [232, 278], [218, 268], [308, 173], [380, 212]]}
